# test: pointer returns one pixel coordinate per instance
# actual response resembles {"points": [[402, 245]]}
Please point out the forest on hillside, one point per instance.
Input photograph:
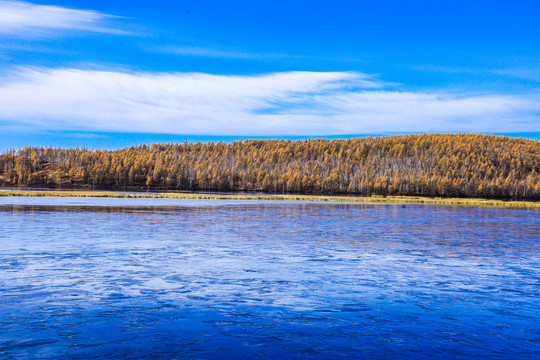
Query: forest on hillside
{"points": [[440, 165]]}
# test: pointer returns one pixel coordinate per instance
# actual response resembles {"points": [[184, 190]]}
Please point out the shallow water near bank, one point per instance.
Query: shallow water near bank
{"points": [[212, 279]]}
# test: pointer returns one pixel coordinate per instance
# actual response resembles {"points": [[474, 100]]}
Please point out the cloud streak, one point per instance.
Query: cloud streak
{"points": [[198, 51], [287, 103], [29, 20]]}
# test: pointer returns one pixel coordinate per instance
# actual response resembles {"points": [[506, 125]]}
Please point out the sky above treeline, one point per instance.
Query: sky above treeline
{"points": [[110, 74]]}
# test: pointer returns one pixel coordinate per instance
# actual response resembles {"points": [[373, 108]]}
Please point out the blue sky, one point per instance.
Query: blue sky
{"points": [[108, 74]]}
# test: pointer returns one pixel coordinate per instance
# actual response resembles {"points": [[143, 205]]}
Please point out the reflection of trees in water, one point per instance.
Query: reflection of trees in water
{"points": [[253, 209]]}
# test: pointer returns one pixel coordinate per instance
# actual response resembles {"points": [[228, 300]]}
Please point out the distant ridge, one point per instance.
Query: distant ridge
{"points": [[441, 165]]}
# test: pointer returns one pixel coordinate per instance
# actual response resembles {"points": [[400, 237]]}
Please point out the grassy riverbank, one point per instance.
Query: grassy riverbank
{"points": [[378, 199]]}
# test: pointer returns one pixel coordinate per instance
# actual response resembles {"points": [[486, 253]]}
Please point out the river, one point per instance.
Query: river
{"points": [[109, 278]]}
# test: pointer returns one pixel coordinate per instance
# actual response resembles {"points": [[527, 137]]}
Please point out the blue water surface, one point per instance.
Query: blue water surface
{"points": [[96, 278]]}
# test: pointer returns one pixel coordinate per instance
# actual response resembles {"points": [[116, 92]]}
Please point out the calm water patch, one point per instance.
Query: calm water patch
{"points": [[204, 279]]}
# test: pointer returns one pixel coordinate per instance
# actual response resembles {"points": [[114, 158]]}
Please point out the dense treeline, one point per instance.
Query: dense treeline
{"points": [[425, 165]]}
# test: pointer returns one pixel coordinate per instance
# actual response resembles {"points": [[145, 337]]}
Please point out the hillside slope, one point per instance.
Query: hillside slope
{"points": [[425, 165]]}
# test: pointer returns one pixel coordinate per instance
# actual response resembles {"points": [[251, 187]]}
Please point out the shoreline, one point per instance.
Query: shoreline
{"points": [[470, 202]]}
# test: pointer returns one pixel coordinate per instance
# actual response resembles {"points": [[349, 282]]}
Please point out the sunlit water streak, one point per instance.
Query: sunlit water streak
{"points": [[204, 279]]}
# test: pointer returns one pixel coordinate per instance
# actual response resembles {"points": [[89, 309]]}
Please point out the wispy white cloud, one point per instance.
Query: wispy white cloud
{"points": [[288, 103], [207, 52], [28, 20], [531, 73], [213, 52]]}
